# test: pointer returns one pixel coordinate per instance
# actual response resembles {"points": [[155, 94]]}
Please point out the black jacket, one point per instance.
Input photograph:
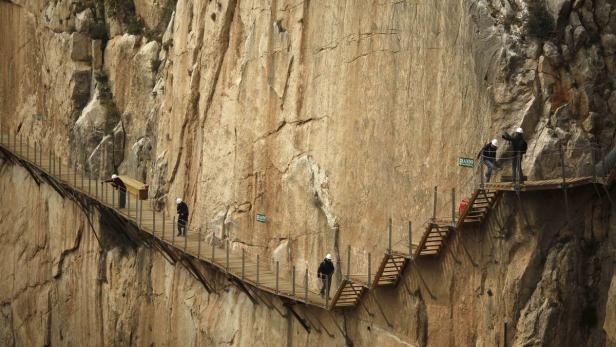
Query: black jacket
{"points": [[183, 210], [517, 142], [326, 268], [488, 151], [116, 183]]}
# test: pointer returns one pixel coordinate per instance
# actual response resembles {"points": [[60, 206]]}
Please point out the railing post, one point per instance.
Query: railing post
{"points": [[153, 219], [213, 249], [453, 207], [434, 207], [348, 262], [128, 205], [113, 197], [50, 168], [482, 179], [593, 162], [41, 155], [228, 246], [326, 292], [173, 234], [257, 270], [277, 273], [163, 237], [60, 169], [139, 207], [75, 174], [185, 231], [243, 263], [410, 239], [505, 333], [293, 281], [27, 148], [35, 151], [306, 286], [389, 227], [199, 244], [369, 269]]}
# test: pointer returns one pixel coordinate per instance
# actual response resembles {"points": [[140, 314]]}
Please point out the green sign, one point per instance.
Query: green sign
{"points": [[38, 117], [261, 218], [466, 162]]}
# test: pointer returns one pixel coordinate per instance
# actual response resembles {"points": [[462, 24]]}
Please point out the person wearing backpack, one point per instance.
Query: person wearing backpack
{"points": [[519, 149]]}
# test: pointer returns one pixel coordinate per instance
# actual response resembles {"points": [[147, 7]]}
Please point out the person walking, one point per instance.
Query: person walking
{"points": [[116, 182], [182, 210], [519, 149], [488, 157], [325, 272]]}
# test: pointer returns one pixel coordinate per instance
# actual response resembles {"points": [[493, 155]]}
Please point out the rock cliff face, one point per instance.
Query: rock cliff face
{"points": [[329, 117]]}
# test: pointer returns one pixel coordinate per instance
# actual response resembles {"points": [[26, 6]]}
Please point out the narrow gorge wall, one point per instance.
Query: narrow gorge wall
{"points": [[327, 116]]}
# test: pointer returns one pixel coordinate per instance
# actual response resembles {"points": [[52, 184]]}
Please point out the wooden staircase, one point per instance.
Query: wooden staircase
{"points": [[390, 270], [347, 295], [433, 238], [479, 206]]}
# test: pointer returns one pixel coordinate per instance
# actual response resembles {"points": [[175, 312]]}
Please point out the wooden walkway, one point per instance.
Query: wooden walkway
{"points": [[263, 275]]}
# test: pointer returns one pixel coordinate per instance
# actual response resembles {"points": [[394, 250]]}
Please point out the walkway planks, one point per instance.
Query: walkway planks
{"points": [[248, 269]]}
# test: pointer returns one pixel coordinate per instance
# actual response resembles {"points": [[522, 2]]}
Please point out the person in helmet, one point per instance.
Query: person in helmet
{"points": [[488, 157], [325, 273], [182, 210], [116, 182], [519, 147]]}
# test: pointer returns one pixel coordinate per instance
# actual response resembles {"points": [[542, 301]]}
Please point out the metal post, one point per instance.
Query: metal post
{"points": [[326, 292], [389, 236], [21, 144], [348, 261], [139, 209], [163, 237], [564, 184], [41, 155], [505, 333], [112, 197], [173, 235], [306, 286], [410, 239], [593, 162], [35, 148], [185, 231], [453, 207], [27, 148], [434, 208], [369, 269], [50, 170], [199, 245], [153, 218], [293, 281], [257, 270], [213, 249], [277, 271], [128, 204], [243, 263], [60, 169], [75, 174], [228, 245], [482, 185], [89, 185]]}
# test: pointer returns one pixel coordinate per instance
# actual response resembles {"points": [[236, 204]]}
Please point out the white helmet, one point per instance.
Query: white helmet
{"points": [[328, 256], [178, 200], [114, 176], [519, 130], [494, 142]]}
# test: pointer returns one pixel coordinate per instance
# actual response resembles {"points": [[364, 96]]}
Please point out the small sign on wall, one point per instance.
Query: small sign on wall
{"points": [[466, 162], [261, 218]]}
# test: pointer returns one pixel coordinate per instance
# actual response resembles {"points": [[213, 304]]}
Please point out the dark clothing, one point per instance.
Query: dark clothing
{"points": [[488, 152], [121, 187], [519, 149], [517, 142], [182, 209], [326, 267], [325, 272], [182, 226]]}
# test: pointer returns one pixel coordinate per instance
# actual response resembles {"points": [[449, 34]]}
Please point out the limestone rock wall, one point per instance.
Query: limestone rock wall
{"points": [[328, 117]]}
